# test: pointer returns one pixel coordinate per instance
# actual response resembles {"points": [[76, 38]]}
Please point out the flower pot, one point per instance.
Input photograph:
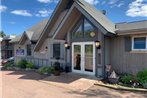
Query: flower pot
{"points": [[57, 73]]}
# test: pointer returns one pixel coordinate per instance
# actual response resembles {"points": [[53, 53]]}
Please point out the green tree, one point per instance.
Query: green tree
{"points": [[2, 34]]}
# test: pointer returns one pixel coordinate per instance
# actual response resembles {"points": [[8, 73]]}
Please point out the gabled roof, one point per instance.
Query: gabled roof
{"points": [[97, 15], [92, 12], [61, 6], [35, 31], [16, 39]]}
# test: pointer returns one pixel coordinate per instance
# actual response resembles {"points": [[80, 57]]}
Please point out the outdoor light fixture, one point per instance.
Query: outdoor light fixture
{"points": [[66, 45], [97, 44], [46, 48]]}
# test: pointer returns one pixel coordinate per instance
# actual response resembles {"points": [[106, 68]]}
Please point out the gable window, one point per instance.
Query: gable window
{"points": [[29, 50], [56, 50], [84, 29], [139, 43]]}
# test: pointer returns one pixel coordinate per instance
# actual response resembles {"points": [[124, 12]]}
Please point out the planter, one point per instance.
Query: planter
{"points": [[113, 80], [57, 73]]}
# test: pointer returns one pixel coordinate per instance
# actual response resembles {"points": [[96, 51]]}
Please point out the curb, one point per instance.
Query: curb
{"points": [[118, 87]]}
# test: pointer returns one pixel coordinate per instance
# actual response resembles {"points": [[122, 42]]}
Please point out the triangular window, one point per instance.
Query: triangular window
{"points": [[78, 31], [84, 30], [89, 29]]}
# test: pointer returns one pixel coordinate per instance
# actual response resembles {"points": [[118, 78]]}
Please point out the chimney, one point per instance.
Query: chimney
{"points": [[104, 12]]}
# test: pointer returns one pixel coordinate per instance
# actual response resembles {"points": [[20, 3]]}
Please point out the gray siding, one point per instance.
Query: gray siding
{"points": [[123, 61]]}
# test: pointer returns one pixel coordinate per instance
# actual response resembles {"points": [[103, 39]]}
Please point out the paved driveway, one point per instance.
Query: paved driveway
{"points": [[27, 85]]}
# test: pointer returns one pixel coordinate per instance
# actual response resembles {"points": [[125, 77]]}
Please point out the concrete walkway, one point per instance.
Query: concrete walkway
{"points": [[71, 81], [19, 84]]}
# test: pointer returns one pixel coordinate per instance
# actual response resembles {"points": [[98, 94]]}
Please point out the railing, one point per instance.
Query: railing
{"points": [[36, 61]]}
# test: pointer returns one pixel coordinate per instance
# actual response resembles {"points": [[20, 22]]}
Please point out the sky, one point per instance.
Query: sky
{"points": [[19, 15]]}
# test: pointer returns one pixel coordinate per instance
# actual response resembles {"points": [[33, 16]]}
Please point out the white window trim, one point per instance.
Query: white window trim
{"points": [[133, 43]]}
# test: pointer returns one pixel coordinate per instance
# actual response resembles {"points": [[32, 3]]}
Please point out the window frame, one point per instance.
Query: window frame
{"points": [[59, 50], [133, 37], [30, 50]]}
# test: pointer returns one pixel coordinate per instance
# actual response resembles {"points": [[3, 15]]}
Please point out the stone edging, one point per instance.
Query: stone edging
{"points": [[118, 87]]}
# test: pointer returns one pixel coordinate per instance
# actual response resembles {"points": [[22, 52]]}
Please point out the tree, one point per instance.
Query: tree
{"points": [[2, 34]]}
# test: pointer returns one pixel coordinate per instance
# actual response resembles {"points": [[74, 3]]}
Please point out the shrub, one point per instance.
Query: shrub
{"points": [[46, 70], [29, 65], [126, 79], [8, 66], [142, 77], [21, 64]]}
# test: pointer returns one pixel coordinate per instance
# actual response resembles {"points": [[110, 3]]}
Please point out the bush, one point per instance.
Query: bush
{"points": [[46, 70], [142, 77], [29, 65], [8, 66], [21, 64], [126, 79]]}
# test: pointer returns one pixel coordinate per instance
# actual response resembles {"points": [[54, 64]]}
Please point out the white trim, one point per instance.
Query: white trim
{"points": [[82, 45], [133, 43]]}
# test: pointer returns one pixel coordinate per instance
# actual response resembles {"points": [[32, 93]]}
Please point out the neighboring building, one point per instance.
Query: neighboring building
{"points": [[24, 44], [7, 48], [0, 48], [92, 41]]}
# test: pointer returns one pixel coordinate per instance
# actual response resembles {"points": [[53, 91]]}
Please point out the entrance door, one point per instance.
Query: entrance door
{"points": [[83, 58]]}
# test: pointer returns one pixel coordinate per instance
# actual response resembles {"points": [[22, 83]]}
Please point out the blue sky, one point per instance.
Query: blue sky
{"points": [[19, 15]]}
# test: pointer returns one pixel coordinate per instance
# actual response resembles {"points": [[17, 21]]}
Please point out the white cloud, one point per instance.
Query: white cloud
{"points": [[21, 12], [120, 4], [137, 8], [3, 8], [12, 22], [48, 1], [93, 2], [44, 13], [113, 2]]}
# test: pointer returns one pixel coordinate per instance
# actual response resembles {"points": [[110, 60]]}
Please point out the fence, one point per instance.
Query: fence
{"points": [[36, 61]]}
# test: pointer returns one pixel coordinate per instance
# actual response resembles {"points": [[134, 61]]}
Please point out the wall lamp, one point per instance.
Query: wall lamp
{"points": [[97, 44], [66, 45], [46, 48]]}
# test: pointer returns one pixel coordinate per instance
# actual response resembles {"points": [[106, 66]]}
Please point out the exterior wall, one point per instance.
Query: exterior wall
{"points": [[126, 62]]}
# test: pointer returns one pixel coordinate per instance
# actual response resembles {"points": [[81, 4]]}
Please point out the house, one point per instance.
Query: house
{"points": [[7, 47], [85, 40], [24, 44]]}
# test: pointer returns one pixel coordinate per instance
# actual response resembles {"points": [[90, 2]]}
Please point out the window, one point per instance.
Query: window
{"points": [[139, 43], [84, 30], [29, 50], [56, 50], [89, 30]]}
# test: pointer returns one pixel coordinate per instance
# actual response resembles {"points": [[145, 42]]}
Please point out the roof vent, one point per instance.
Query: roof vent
{"points": [[104, 12]]}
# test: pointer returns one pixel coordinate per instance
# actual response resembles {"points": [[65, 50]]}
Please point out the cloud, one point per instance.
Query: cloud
{"points": [[21, 12], [48, 1], [113, 2], [44, 13], [12, 22], [93, 2], [120, 4], [137, 8], [3, 8]]}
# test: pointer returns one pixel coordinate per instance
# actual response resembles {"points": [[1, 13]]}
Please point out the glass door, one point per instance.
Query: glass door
{"points": [[76, 57], [83, 58]]}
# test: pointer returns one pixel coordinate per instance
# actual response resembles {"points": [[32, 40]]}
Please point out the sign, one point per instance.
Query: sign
{"points": [[20, 52]]}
